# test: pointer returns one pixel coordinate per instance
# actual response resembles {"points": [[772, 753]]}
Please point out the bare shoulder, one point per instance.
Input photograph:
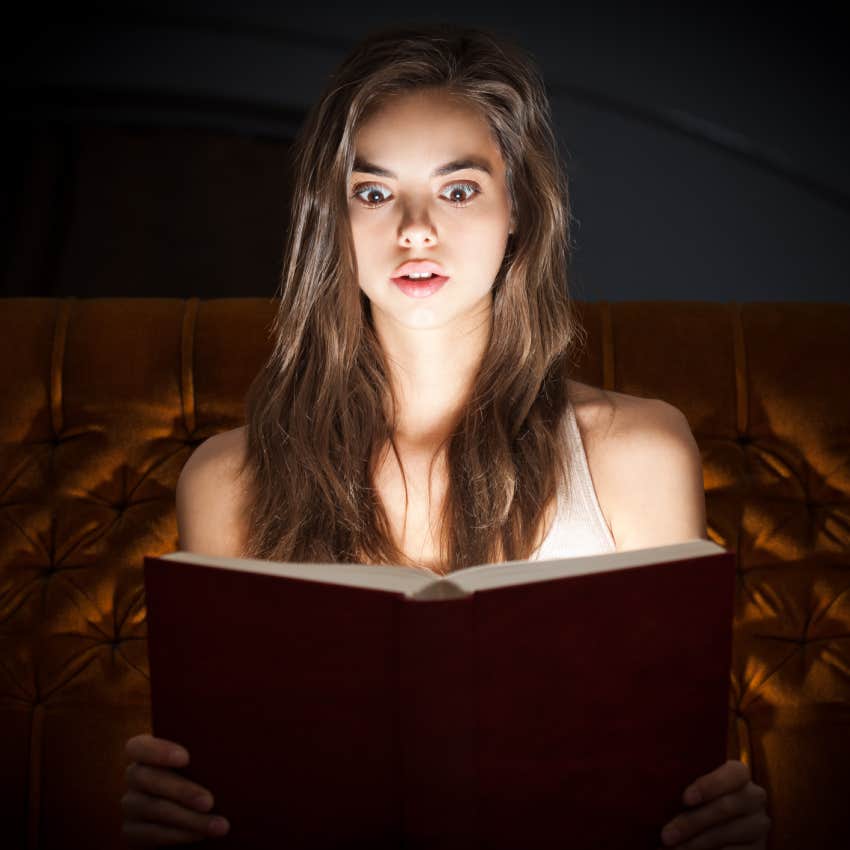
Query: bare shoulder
{"points": [[645, 464], [212, 496], [606, 417], [224, 451]]}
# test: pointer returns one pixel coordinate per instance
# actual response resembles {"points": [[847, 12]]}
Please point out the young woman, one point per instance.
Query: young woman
{"points": [[417, 407]]}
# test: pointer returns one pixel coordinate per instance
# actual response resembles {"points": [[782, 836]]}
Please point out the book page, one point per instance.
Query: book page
{"points": [[404, 580], [421, 583], [526, 572]]}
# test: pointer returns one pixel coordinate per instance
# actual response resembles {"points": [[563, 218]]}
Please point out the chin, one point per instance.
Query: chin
{"points": [[423, 317]]}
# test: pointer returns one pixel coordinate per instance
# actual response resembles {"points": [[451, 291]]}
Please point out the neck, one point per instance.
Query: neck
{"points": [[432, 371]]}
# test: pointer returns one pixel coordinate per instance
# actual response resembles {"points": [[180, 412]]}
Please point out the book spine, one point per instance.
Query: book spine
{"points": [[437, 715]]}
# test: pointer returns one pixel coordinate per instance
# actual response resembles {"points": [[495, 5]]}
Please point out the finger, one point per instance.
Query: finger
{"points": [[754, 845], [161, 782], [158, 812], [749, 829], [150, 750], [728, 777], [748, 800], [690, 824], [151, 835]]}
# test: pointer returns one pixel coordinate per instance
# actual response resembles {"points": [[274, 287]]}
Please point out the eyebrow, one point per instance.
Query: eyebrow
{"points": [[475, 162]]}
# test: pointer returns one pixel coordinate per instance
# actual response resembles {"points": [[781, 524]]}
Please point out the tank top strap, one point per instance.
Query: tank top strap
{"points": [[579, 526]]}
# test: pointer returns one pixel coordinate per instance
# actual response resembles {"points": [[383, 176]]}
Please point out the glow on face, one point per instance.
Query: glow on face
{"points": [[428, 183]]}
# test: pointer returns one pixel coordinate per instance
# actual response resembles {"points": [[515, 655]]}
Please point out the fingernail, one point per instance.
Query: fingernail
{"points": [[669, 835], [218, 826], [202, 802]]}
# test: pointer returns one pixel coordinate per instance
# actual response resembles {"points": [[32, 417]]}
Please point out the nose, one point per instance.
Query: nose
{"points": [[416, 230]]}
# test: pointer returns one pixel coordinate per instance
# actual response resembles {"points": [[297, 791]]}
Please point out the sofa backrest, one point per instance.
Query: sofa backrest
{"points": [[104, 399]]}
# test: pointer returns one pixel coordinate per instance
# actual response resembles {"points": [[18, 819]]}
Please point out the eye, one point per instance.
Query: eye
{"points": [[471, 188], [370, 189], [467, 190]]}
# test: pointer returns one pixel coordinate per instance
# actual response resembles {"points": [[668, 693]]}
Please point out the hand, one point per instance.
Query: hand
{"points": [[730, 812], [160, 806]]}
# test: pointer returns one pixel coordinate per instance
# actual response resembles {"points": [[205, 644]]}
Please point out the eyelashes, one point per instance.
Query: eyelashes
{"points": [[472, 188]]}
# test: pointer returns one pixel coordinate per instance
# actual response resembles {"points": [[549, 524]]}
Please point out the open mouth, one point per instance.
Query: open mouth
{"points": [[419, 287]]}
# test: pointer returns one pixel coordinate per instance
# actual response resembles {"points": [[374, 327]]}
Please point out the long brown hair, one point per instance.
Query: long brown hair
{"points": [[322, 406]]}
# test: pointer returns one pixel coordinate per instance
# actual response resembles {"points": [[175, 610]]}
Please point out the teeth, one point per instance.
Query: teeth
{"points": [[418, 275]]}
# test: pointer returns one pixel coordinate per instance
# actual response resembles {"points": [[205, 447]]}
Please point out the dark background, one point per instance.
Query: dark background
{"points": [[146, 145]]}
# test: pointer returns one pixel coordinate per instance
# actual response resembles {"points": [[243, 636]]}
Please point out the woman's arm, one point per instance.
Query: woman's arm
{"points": [[162, 807], [659, 496], [211, 499]]}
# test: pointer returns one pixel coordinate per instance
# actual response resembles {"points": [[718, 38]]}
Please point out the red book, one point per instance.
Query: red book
{"points": [[529, 704]]}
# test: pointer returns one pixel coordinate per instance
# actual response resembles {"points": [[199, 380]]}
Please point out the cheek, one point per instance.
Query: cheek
{"points": [[363, 234], [366, 228], [491, 219], [483, 242], [371, 254]]}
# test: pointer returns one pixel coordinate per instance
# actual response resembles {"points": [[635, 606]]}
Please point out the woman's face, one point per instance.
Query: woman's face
{"points": [[428, 184]]}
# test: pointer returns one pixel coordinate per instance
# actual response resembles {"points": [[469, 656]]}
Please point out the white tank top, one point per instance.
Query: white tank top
{"points": [[579, 527]]}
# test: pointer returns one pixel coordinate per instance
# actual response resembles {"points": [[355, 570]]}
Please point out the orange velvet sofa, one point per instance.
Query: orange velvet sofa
{"points": [[104, 399]]}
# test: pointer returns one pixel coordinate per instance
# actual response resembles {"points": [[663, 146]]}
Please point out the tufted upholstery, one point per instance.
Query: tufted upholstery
{"points": [[103, 401]]}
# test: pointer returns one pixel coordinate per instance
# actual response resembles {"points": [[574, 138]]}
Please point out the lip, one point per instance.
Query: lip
{"points": [[419, 288], [418, 266]]}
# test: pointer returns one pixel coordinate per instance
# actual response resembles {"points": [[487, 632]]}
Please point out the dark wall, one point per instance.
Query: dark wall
{"points": [[706, 150]]}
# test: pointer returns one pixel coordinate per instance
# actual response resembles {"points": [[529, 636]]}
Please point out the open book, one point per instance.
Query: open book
{"points": [[528, 704]]}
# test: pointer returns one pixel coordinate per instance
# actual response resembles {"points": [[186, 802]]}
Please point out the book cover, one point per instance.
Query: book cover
{"points": [[563, 703]]}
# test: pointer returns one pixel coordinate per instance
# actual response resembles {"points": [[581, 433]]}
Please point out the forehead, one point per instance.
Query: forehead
{"points": [[425, 125]]}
